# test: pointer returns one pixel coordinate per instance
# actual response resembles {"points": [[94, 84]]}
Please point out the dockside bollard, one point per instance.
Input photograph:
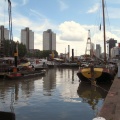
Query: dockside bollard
{"points": [[99, 118]]}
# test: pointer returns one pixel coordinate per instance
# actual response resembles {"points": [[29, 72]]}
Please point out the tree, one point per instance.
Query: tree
{"points": [[21, 50], [9, 48]]}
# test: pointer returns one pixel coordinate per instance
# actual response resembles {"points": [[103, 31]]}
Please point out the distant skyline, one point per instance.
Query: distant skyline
{"points": [[69, 19]]}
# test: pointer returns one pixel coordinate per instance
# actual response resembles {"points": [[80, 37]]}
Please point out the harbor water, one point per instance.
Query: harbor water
{"points": [[58, 95]]}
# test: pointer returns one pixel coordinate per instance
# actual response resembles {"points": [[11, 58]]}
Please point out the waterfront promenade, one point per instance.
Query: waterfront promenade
{"points": [[111, 106]]}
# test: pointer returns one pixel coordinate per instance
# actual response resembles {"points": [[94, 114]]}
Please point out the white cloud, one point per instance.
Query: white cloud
{"points": [[72, 31], [36, 13], [38, 43], [24, 2], [93, 9], [16, 39], [67, 33], [63, 6]]}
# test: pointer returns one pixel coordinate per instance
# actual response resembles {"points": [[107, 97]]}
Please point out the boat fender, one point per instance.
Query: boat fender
{"points": [[99, 118]]}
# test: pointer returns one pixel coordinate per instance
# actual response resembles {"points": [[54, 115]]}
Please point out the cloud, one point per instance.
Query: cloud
{"points": [[71, 31], [63, 6], [67, 33], [24, 2], [93, 9], [36, 13]]}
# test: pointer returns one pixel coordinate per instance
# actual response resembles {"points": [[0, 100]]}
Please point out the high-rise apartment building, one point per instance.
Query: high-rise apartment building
{"points": [[49, 40], [4, 35], [27, 38], [98, 50]]}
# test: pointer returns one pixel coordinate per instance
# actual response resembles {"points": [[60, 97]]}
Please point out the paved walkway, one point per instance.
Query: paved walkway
{"points": [[111, 106]]}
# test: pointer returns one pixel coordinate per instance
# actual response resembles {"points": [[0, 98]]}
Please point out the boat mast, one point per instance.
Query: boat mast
{"points": [[104, 35]]}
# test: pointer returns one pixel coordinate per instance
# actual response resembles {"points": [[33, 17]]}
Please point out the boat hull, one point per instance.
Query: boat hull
{"points": [[102, 75], [21, 75]]}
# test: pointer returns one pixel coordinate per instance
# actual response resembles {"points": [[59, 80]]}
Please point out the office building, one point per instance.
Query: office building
{"points": [[27, 38], [49, 40], [112, 43]]}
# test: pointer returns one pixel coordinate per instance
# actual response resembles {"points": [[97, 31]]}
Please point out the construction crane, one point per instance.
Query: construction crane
{"points": [[10, 20], [88, 46]]}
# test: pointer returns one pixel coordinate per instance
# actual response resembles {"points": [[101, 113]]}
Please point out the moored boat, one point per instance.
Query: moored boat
{"points": [[22, 74], [50, 64], [39, 64], [102, 73]]}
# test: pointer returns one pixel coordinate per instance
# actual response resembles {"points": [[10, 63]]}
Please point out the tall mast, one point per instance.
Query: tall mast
{"points": [[104, 35]]}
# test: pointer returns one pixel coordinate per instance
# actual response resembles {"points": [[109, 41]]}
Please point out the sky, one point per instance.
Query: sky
{"points": [[69, 19]]}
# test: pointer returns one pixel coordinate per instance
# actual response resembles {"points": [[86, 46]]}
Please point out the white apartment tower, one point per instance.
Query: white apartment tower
{"points": [[49, 40], [98, 50], [4, 33], [27, 38]]}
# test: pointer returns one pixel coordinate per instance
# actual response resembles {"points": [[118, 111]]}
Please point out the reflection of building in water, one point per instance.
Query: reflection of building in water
{"points": [[24, 87], [72, 75], [68, 73], [9, 87], [49, 81], [91, 94], [27, 88]]}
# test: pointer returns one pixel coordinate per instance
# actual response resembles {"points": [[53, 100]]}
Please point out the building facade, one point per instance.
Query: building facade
{"points": [[115, 52], [98, 50], [4, 35], [27, 38], [49, 40], [112, 43]]}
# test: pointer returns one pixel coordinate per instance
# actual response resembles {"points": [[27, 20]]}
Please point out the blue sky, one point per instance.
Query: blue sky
{"points": [[69, 19]]}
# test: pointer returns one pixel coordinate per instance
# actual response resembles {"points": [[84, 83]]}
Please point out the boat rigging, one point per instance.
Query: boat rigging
{"points": [[98, 72]]}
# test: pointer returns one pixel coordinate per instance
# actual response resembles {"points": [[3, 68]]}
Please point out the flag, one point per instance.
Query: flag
{"points": [[100, 27]]}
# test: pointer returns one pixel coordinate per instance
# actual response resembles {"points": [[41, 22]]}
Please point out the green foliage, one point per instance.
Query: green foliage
{"points": [[41, 54], [10, 47], [21, 50]]}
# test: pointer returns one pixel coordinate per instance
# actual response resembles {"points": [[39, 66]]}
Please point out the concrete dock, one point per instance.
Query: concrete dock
{"points": [[111, 107]]}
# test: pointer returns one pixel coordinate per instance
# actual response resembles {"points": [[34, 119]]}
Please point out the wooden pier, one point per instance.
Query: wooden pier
{"points": [[111, 107]]}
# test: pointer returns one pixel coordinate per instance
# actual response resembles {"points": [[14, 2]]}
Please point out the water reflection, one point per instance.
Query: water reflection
{"points": [[91, 94], [49, 82], [55, 96], [13, 91], [57, 76]]}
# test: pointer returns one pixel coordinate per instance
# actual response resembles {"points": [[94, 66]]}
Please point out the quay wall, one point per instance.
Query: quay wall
{"points": [[111, 107]]}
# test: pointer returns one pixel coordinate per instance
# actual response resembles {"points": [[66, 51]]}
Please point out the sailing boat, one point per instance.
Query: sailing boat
{"points": [[100, 74]]}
